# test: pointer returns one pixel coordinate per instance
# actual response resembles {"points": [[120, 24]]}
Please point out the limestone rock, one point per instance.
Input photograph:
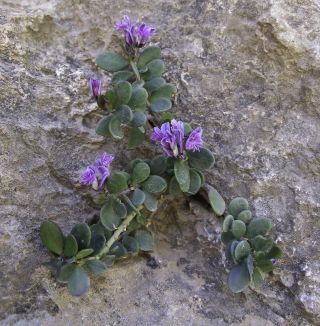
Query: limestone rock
{"points": [[248, 71]]}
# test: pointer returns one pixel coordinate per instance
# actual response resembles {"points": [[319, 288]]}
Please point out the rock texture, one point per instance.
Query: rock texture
{"points": [[248, 71]]}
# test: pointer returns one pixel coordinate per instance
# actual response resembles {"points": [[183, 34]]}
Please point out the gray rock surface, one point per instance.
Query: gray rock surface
{"points": [[248, 71]]}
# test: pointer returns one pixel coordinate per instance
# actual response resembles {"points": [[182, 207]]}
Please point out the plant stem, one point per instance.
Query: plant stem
{"points": [[135, 69], [123, 226]]}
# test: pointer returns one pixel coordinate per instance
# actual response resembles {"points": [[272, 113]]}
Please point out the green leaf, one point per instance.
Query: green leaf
{"points": [[124, 114], [51, 237], [238, 229], [119, 208], [138, 99], [70, 248], [182, 173], [138, 197], [102, 127], [97, 229], [174, 187], [111, 62], [226, 237], [275, 253], [195, 182], [123, 91], [216, 201], [150, 202], [257, 277], [245, 216], [147, 55], [166, 91], [237, 205], [259, 226], [145, 240], [82, 234], [65, 272], [233, 246], [84, 253], [79, 282], [155, 69], [140, 173], [154, 184], [260, 243], [160, 105], [202, 159], [154, 84], [242, 250], [227, 223], [250, 264], [108, 260], [239, 278], [97, 242], [111, 97], [122, 76], [139, 119], [96, 266], [115, 128], [108, 217], [119, 250], [135, 138], [131, 244], [117, 182], [138, 84], [264, 264], [158, 165]]}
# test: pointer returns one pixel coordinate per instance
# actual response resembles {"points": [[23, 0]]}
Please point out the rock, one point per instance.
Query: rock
{"points": [[248, 71]]}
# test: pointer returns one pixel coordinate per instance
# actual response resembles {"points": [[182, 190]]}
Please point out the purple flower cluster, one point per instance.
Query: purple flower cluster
{"points": [[136, 35], [98, 174], [95, 86], [173, 141]]}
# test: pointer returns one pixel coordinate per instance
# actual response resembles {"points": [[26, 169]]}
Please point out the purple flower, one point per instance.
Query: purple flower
{"points": [[89, 177], [173, 141], [194, 141], [135, 35], [123, 24], [102, 168], [95, 87], [104, 160], [273, 261]]}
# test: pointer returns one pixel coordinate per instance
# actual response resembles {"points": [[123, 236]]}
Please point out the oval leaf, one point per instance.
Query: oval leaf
{"points": [[216, 201], [138, 197], [182, 173], [150, 202], [239, 278], [70, 248], [139, 119], [147, 55], [123, 91], [65, 272], [79, 282], [111, 62], [140, 173], [155, 184], [82, 233], [52, 237], [138, 99], [84, 253], [135, 138], [160, 105], [102, 127], [117, 182], [114, 128], [202, 159], [145, 240]]}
